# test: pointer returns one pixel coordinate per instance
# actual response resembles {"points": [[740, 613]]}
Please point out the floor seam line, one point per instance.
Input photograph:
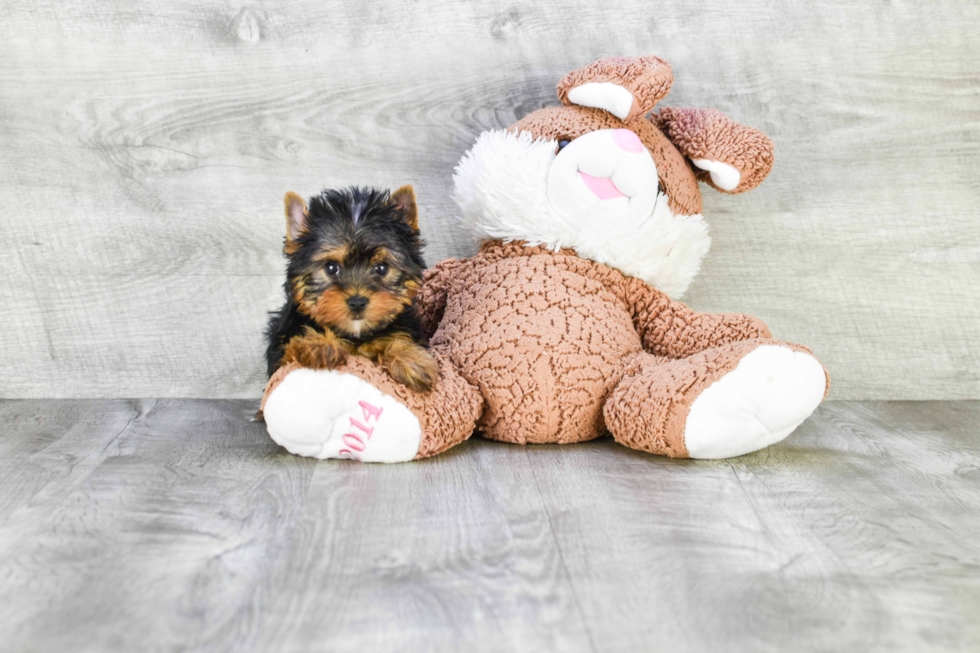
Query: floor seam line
{"points": [[561, 555]]}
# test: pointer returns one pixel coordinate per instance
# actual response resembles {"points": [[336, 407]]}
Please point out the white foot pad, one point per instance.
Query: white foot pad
{"points": [[768, 394], [328, 414], [725, 176]]}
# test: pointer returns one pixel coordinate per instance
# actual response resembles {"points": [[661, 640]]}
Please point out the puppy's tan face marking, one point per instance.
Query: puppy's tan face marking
{"points": [[381, 255], [336, 253], [353, 290]]}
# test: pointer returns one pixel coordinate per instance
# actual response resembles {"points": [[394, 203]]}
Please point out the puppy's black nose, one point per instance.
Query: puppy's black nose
{"points": [[357, 303]]}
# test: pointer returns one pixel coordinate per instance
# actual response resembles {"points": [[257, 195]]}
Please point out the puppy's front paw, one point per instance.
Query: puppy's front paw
{"points": [[412, 366], [315, 353], [323, 357]]}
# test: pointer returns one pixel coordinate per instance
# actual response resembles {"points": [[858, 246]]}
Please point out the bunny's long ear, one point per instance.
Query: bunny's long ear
{"points": [[729, 157], [627, 87]]}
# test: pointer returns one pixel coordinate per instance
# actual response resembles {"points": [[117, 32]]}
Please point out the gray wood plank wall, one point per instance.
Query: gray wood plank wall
{"points": [[145, 148]]}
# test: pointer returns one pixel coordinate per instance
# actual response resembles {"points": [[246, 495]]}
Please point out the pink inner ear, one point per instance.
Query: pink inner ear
{"points": [[297, 218]]}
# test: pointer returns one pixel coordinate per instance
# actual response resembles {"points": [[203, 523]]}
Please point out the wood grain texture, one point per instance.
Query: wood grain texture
{"points": [[145, 149], [171, 525]]}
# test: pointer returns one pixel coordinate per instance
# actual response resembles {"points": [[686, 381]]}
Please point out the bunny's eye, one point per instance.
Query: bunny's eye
{"points": [[562, 144]]}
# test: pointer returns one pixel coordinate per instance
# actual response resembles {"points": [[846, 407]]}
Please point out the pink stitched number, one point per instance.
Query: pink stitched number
{"points": [[354, 442], [367, 429], [370, 411]]}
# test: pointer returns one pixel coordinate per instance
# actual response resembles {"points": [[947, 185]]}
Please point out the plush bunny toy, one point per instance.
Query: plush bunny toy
{"points": [[561, 329]]}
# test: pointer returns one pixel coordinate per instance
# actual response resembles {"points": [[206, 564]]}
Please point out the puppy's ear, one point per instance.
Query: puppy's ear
{"points": [[296, 216], [404, 200]]}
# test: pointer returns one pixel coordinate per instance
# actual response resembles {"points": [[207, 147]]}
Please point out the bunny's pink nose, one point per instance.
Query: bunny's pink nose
{"points": [[627, 140]]}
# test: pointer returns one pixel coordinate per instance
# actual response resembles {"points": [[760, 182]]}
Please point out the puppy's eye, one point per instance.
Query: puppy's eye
{"points": [[381, 269], [332, 269], [562, 144]]}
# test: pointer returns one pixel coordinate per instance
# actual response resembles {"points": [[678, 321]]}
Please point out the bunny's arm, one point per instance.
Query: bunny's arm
{"points": [[670, 328], [430, 303]]}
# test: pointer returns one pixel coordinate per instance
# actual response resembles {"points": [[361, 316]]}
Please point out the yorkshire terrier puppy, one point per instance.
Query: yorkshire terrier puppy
{"points": [[355, 266]]}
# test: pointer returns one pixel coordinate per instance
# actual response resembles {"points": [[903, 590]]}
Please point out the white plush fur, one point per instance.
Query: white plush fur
{"points": [[501, 187]]}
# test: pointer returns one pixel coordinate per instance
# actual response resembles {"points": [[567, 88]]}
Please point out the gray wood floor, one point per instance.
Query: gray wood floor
{"points": [[178, 525]]}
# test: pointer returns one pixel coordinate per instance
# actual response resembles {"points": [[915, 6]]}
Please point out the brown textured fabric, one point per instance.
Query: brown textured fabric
{"points": [[547, 336], [676, 173], [437, 283], [669, 328], [542, 335], [648, 78], [447, 415], [710, 134]]}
